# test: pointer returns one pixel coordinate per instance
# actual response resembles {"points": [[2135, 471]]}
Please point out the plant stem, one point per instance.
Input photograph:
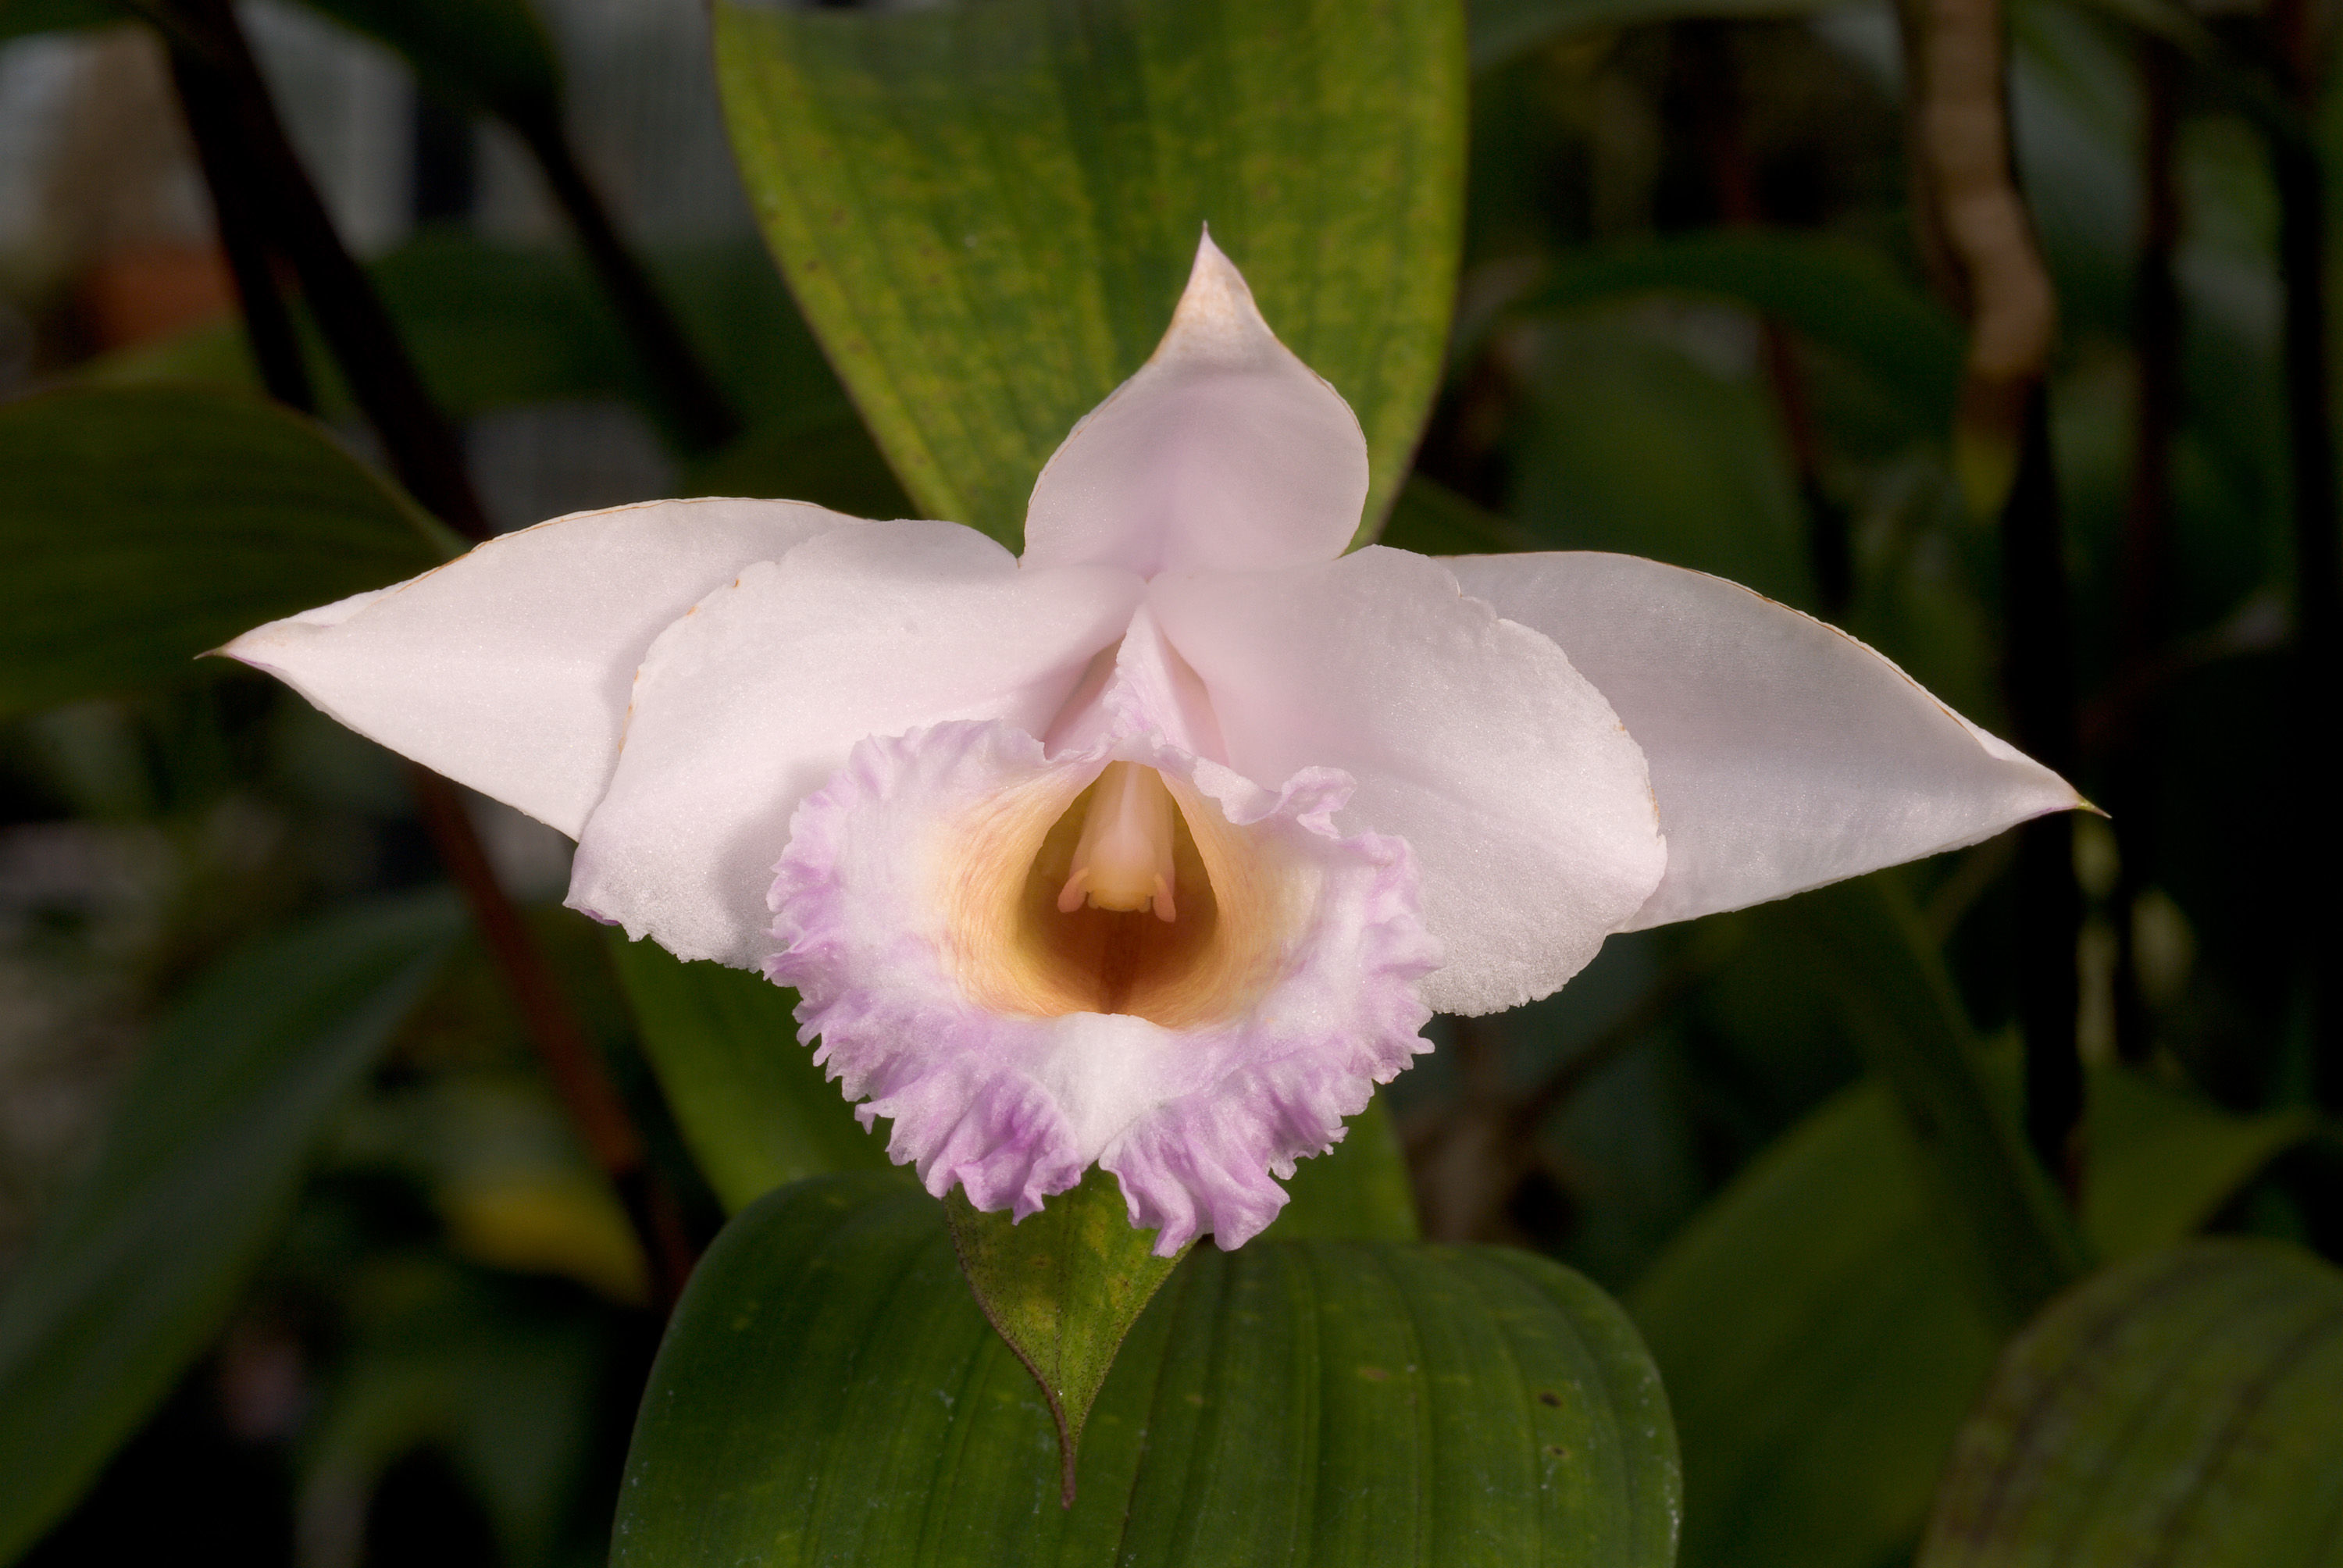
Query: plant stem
{"points": [[2040, 677], [421, 444], [2147, 524], [268, 324], [702, 415], [2300, 177], [1979, 237], [578, 1076], [278, 213]]}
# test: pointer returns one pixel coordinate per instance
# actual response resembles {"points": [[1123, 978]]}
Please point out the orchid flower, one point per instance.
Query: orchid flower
{"points": [[1156, 848]]}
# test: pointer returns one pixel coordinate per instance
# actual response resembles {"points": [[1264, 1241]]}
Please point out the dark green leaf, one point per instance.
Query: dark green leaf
{"points": [[1843, 297], [1821, 1335], [1899, 1002], [2180, 1410], [1061, 1288], [142, 527], [1431, 519], [1502, 29], [989, 211], [829, 1393], [137, 1266], [754, 1109], [19, 18], [492, 55], [1358, 1190]]}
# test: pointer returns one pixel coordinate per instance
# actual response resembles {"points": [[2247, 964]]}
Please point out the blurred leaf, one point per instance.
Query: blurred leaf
{"points": [[492, 55], [1900, 1004], [491, 325], [1062, 1288], [1651, 434], [832, 463], [142, 527], [1358, 1190], [1431, 519], [828, 1393], [2180, 1409], [136, 1268], [501, 1384], [1842, 297], [1501, 30], [20, 17], [755, 1111], [510, 1181], [988, 212], [1821, 1335], [2162, 1162]]}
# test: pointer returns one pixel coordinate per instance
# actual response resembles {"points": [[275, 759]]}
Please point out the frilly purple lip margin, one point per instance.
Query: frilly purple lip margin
{"points": [[1013, 1109]]}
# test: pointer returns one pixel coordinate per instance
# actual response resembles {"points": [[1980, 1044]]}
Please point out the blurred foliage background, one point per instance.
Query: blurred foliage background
{"points": [[1695, 320]]}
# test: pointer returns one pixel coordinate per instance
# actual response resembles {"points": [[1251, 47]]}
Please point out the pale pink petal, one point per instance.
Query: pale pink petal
{"points": [[1472, 737], [755, 696], [1785, 753], [881, 915], [508, 670], [1224, 453]]}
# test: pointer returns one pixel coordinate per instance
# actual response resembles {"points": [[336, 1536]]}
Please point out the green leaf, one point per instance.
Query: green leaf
{"points": [[1823, 1334], [138, 1265], [1899, 1003], [1358, 1190], [828, 1393], [987, 211], [1501, 30], [755, 1111], [499, 1378], [1840, 296], [20, 17], [493, 55], [2180, 1409], [142, 527], [1061, 1288]]}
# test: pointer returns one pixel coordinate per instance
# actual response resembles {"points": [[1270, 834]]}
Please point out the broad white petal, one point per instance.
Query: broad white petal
{"points": [[508, 670], [745, 705], [1224, 453], [1472, 737], [1785, 753]]}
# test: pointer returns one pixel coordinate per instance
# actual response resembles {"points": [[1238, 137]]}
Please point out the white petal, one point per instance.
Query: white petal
{"points": [[744, 705], [1224, 453], [1472, 737], [508, 670], [1785, 753]]}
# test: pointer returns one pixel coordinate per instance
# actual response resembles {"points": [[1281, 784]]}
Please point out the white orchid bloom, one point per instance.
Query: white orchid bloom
{"points": [[1156, 848]]}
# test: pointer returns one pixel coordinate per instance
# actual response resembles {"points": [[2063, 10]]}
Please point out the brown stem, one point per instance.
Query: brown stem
{"points": [[578, 1076], [1980, 237], [268, 324], [2301, 183], [1713, 91], [702, 417], [283, 217], [2147, 524], [417, 438]]}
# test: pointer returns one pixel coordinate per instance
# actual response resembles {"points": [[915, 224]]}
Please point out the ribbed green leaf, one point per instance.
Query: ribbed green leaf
{"points": [[1358, 1190], [1062, 1288], [1822, 1333], [2180, 1410], [137, 1266], [754, 1109], [140, 528], [829, 1394], [988, 210]]}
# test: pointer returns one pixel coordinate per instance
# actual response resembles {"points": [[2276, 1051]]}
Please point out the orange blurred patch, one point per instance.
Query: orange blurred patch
{"points": [[144, 291]]}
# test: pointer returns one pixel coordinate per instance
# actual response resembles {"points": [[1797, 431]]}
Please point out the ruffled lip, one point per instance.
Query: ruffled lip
{"points": [[1012, 1103]]}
